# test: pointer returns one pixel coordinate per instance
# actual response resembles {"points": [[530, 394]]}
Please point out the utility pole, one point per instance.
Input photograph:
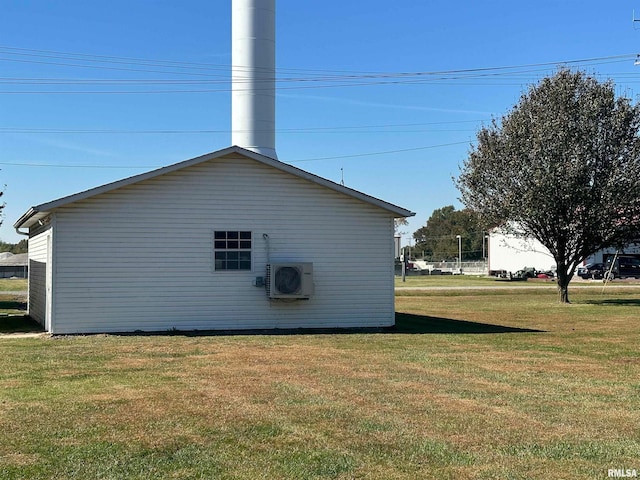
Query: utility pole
{"points": [[459, 237], [634, 20], [404, 264]]}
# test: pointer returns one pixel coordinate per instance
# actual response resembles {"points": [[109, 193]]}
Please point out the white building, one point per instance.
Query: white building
{"points": [[602, 255], [183, 247], [234, 239], [511, 253], [13, 265]]}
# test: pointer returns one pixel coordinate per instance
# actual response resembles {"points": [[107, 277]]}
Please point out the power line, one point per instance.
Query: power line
{"points": [[214, 73], [340, 73], [382, 128], [62, 165], [368, 154], [381, 153], [304, 79]]}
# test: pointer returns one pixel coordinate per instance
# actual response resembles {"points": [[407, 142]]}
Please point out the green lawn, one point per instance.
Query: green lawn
{"points": [[456, 281], [478, 384], [444, 281], [13, 306], [13, 284]]}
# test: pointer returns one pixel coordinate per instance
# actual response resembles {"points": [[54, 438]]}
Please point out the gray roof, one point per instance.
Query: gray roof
{"points": [[8, 259], [31, 216]]}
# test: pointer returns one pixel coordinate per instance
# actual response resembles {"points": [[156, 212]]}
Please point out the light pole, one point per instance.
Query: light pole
{"points": [[484, 239], [485, 258], [459, 253]]}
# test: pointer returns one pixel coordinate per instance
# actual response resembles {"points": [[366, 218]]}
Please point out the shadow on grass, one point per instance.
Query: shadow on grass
{"points": [[405, 324], [421, 324], [19, 324], [615, 301], [12, 305]]}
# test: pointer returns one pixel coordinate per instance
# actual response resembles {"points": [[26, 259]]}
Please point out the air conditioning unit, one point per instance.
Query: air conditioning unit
{"points": [[289, 280]]}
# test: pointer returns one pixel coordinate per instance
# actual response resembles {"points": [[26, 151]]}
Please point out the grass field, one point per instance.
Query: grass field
{"points": [[449, 281], [12, 305], [483, 281], [477, 384], [13, 284]]}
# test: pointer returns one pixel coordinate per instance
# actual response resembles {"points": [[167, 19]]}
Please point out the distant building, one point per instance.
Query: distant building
{"points": [[511, 253], [602, 255], [14, 265]]}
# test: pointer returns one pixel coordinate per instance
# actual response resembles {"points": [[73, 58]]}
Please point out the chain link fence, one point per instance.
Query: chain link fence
{"points": [[421, 267]]}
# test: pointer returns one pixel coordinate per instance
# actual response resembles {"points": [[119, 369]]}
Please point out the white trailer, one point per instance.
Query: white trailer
{"points": [[510, 253]]}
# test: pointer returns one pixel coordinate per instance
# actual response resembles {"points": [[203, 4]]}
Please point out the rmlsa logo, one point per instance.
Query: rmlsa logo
{"points": [[623, 473]]}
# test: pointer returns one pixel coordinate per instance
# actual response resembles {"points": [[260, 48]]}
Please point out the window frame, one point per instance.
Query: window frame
{"points": [[232, 246]]}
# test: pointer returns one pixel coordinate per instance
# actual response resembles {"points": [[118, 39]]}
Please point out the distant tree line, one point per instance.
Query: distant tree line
{"points": [[20, 247], [437, 240]]}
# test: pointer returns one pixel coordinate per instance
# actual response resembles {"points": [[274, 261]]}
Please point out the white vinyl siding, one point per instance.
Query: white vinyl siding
{"points": [[140, 257], [38, 258]]}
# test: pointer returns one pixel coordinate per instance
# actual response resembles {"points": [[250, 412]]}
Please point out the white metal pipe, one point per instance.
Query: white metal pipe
{"points": [[253, 103]]}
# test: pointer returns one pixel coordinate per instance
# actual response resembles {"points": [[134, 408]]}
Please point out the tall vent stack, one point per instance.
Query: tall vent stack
{"points": [[253, 103]]}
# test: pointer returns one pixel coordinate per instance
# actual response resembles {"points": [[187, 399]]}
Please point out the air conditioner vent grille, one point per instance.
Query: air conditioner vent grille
{"points": [[289, 280]]}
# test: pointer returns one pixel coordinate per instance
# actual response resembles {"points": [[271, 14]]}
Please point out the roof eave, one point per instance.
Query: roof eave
{"points": [[38, 212], [27, 219]]}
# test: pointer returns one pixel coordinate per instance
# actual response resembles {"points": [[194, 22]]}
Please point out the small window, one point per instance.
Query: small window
{"points": [[232, 250]]}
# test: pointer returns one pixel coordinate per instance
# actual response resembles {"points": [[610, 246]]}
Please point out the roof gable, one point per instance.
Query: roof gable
{"points": [[38, 212]]}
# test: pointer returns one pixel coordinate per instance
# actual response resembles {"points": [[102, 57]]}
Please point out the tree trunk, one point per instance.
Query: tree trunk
{"points": [[563, 293], [563, 284]]}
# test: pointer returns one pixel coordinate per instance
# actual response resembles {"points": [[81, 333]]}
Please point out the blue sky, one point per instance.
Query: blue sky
{"points": [[390, 93]]}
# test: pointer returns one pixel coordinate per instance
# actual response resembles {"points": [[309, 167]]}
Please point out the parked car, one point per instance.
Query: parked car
{"points": [[526, 272], [546, 274], [591, 270], [623, 267]]}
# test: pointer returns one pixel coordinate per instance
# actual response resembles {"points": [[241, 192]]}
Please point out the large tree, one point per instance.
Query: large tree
{"points": [[437, 239], [563, 167]]}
